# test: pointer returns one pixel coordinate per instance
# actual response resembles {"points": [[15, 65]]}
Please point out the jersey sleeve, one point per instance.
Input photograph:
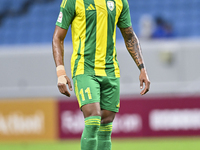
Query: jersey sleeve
{"points": [[67, 14], [124, 20]]}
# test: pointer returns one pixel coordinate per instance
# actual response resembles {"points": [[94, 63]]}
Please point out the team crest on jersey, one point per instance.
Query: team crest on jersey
{"points": [[111, 5]]}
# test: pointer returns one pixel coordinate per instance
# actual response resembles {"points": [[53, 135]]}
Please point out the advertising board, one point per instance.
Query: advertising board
{"points": [[146, 117], [28, 119]]}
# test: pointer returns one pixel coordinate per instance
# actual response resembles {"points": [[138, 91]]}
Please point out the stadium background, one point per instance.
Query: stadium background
{"points": [[32, 109]]}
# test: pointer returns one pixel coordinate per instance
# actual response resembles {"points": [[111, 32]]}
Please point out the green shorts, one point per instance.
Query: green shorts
{"points": [[102, 89]]}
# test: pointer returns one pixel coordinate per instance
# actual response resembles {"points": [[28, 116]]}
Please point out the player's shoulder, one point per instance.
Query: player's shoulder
{"points": [[68, 3], [125, 3]]}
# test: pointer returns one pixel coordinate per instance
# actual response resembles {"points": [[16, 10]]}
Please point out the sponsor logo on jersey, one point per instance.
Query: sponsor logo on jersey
{"points": [[91, 7], [60, 17], [118, 105]]}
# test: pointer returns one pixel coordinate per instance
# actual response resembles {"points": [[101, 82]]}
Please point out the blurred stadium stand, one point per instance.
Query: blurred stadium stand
{"points": [[26, 30], [27, 21], [33, 21]]}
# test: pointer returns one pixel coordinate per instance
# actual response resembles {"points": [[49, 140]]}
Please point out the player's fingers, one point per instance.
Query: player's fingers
{"points": [[147, 86], [141, 83], [63, 89], [69, 83], [144, 91], [60, 87], [67, 93]]}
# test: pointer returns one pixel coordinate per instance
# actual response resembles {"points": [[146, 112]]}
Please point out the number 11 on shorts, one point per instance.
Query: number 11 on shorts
{"points": [[86, 91]]}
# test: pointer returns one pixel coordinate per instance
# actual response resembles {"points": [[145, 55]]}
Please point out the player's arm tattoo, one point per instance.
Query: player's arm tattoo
{"points": [[133, 46]]}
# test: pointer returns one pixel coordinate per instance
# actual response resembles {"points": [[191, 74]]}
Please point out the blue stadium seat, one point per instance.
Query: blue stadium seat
{"points": [[38, 23], [17, 5]]}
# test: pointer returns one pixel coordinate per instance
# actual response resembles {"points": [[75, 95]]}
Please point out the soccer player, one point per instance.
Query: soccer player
{"points": [[94, 66]]}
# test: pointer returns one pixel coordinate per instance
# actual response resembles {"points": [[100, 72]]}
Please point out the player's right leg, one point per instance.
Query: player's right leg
{"points": [[89, 140], [87, 91]]}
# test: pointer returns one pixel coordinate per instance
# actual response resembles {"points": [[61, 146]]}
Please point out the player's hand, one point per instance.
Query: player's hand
{"points": [[62, 86], [144, 80]]}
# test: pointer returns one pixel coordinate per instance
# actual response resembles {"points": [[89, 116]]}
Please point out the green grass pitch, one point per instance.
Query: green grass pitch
{"points": [[189, 143]]}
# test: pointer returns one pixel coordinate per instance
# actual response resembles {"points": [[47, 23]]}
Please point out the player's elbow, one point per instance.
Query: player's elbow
{"points": [[56, 41]]}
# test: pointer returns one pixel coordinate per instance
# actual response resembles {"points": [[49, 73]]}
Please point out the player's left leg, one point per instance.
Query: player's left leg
{"points": [[105, 130], [109, 104]]}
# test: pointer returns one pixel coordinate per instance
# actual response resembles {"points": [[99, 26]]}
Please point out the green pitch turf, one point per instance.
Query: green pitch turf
{"points": [[118, 144]]}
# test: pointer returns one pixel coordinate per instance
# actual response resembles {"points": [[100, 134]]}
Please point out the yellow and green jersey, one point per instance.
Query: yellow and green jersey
{"points": [[93, 27]]}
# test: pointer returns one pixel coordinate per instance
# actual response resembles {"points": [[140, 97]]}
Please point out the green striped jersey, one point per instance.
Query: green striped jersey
{"points": [[93, 27]]}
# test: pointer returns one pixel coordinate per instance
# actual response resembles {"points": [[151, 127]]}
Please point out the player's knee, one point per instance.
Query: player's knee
{"points": [[107, 119], [107, 116], [95, 113], [92, 113], [91, 110]]}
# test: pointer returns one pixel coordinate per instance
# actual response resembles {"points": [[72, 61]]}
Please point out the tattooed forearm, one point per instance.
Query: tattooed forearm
{"points": [[132, 45]]}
